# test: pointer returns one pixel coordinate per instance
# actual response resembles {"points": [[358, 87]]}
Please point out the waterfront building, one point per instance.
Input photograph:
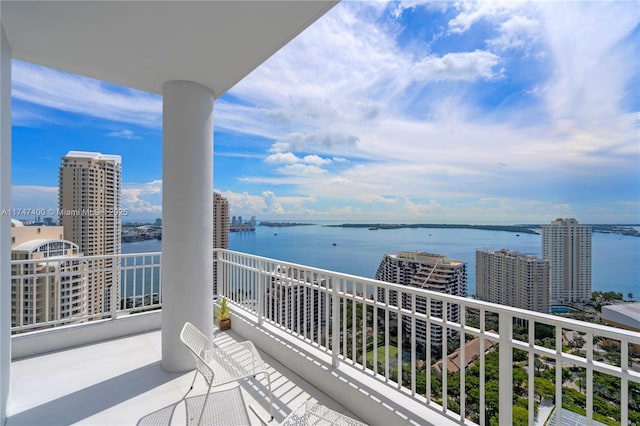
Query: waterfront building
{"points": [[427, 271], [220, 221], [238, 225], [295, 301], [514, 279], [54, 289], [220, 230], [89, 210], [567, 246]]}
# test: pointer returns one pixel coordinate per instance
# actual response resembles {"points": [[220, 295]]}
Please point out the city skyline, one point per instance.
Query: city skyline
{"points": [[438, 112]]}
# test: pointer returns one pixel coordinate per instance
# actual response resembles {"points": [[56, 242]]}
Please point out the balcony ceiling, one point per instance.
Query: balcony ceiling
{"points": [[143, 44]]}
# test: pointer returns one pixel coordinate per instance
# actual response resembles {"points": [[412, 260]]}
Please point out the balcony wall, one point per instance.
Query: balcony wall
{"points": [[341, 332]]}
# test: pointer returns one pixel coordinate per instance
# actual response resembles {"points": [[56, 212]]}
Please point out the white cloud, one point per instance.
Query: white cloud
{"points": [[272, 205], [301, 170], [321, 141], [401, 6], [266, 204], [316, 160], [142, 200], [39, 87], [517, 32], [595, 60], [465, 66], [472, 12], [124, 134], [282, 157]]}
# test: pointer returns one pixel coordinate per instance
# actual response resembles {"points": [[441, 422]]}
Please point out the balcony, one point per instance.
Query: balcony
{"points": [[326, 336], [120, 382]]}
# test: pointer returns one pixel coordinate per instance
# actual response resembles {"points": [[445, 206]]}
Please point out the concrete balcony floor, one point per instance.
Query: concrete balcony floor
{"points": [[120, 382]]}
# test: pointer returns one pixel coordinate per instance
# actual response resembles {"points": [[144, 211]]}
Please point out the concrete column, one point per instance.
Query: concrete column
{"points": [[5, 222], [187, 217]]}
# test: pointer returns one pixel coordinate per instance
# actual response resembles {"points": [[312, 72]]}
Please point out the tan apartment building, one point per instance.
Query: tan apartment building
{"points": [[220, 231], [55, 287], [513, 279], [220, 221], [90, 212], [567, 245]]}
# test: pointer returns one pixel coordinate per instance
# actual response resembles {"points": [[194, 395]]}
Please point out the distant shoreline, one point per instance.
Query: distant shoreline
{"points": [[376, 226], [284, 224], [626, 230]]}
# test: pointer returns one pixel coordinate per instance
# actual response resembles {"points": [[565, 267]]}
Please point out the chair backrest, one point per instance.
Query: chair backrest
{"points": [[197, 344]]}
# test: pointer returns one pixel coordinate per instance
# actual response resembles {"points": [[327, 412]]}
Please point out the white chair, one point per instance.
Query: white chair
{"points": [[222, 365]]}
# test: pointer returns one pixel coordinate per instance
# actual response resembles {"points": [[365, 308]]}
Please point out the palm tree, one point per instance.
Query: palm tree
{"points": [[630, 296]]}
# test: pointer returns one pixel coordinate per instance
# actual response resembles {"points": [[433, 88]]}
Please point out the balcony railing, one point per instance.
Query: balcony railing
{"points": [[49, 281], [474, 361]]}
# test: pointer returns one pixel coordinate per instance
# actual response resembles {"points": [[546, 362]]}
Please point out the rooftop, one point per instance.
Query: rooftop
{"points": [[627, 313], [94, 156]]}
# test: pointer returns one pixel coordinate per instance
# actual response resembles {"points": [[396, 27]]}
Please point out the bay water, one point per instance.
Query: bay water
{"points": [[358, 251]]}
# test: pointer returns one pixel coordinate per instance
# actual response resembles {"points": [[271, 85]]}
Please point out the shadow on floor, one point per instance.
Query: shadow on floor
{"points": [[226, 407], [84, 403]]}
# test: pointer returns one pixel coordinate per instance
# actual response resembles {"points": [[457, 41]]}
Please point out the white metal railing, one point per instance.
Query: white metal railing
{"points": [[352, 319], [402, 336], [54, 291]]}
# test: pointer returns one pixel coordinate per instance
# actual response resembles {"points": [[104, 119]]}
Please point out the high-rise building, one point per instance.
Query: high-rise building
{"points": [[427, 271], [220, 221], [567, 245], [513, 279], [90, 212], [220, 230], [52, 289], [294, 300]]}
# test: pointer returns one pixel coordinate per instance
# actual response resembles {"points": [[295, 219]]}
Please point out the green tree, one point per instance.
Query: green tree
{"points": [[539, 365], [543, 388], [519, 355], [491, 397], [573, 397], [519, 380], [520, 416]]}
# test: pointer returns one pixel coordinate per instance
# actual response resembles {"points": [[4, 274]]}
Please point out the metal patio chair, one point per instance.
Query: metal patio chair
{"points": [[222, 365]]}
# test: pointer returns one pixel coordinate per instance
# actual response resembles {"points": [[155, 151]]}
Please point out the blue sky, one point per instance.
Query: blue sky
{"points": [[443, 112]]}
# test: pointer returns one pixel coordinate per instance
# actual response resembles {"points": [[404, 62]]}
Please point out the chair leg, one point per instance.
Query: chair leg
{"points": [[270, 395], [195, 376], [204, 405]]}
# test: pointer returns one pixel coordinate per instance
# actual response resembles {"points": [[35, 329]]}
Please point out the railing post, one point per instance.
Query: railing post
{"points": [[115, 286], [335, 323], [624, 383], [505, 357], [261, 291], [215, 283]]}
